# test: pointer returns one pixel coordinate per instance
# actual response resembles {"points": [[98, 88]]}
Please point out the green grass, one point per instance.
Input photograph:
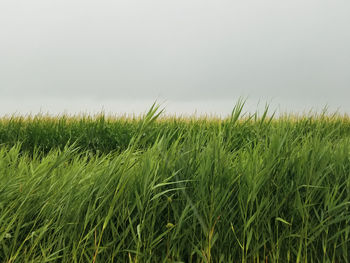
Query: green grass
{"points": [[161, 189]]}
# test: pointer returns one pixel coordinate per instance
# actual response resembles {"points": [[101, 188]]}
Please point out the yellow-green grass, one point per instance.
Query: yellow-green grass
{"points": [[156, 189]]}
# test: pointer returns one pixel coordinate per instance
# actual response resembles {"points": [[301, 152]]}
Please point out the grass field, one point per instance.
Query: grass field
{"points": [[247, 188]]}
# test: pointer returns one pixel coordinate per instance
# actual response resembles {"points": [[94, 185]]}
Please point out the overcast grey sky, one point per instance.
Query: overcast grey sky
{"points": [[295, 51]]}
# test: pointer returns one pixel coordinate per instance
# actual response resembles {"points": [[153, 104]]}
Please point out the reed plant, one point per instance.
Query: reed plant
{"points": [[248, 188]]}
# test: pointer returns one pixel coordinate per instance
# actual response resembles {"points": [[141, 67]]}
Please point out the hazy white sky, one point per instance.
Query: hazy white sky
{"points": [[295, 51]]}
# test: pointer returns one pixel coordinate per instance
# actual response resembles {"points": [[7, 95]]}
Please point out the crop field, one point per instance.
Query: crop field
{"points": [[247, 188]]}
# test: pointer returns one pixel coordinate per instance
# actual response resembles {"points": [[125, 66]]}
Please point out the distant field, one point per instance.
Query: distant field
{"points": [[248, 188]]}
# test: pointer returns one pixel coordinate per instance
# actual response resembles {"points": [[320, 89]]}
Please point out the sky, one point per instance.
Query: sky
{"points": [[122, 55]]}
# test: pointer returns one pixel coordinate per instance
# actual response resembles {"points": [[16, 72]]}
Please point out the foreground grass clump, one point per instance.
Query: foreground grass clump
{"points": [[251, 189]]}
